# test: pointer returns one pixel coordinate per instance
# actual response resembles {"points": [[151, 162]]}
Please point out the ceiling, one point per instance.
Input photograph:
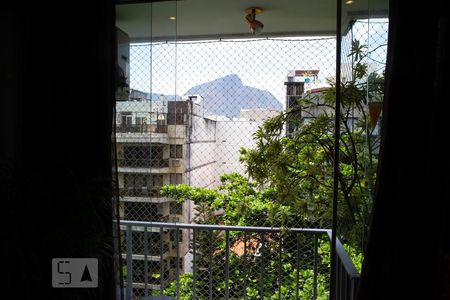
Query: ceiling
{"points": [[215, 19]]}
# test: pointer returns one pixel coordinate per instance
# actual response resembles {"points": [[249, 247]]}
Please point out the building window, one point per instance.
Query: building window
{"points": [[136, 185], [136, 181], [173, 263], [176, 151], [143, 156], [176, 208], [173, 234], [139, 211], [176, 178], [126, 118], [177, 113], [157, 181]]}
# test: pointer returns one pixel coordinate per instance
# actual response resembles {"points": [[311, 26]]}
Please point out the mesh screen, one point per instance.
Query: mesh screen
{"points": [[191, 107]]}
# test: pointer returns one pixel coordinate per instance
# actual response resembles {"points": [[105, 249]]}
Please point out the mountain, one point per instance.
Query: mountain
{"points": [[226, 96]]}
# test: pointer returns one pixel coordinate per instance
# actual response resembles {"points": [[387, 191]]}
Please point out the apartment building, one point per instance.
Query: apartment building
{"points": [[296, 83], [151, 152], [162, 142]]}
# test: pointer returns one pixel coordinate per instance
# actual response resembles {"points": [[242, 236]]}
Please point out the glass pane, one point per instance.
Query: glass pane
{"points": [[246, 122], [364, 49]]}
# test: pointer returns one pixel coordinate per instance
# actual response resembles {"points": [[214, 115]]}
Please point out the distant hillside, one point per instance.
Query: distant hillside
{"points": [[227, 96]]}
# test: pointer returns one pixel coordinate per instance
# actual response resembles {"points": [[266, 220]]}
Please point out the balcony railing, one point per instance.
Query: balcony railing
{"points": [[152, 251], [140, 192], [147, 218], [143, 163], [347, 275], [141, 128], [237, 262]]}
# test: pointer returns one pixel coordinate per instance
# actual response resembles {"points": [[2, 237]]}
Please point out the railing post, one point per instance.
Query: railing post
{"points": [[297, 267], [194, 266], [177, 239], [261, 271], [315, 268], [145, 261], [210, 264], [245, 266], [129, 262], [280, 280], [161, 267], [227, 263]]}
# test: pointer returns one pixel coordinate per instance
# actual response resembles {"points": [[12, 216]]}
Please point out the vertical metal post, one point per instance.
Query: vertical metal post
{"points": [[116, 199], [315, 269], [337, 134], [245, 265], [280, 281], [297, 268], [129, 263], [177, 239], [227, 263], [145, 262], [339, 289], [261, 271], [210, 264], [194, 267], [161, 256]]}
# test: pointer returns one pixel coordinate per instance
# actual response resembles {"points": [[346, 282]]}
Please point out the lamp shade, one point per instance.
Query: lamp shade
{"points": [[375, 109]]}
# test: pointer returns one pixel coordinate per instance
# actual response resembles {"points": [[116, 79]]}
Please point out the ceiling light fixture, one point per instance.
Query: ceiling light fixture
{"points": [[255, 25], [173, 18], [348, 1]]}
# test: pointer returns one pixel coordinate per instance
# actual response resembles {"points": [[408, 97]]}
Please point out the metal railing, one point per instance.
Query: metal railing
{"points": [[140, 192], [347, 276], [236, 262], [144, 163], [141, 128]]}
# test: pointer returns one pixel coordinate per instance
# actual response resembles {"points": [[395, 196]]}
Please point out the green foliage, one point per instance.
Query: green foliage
{"points": [[299, 166], [185, 292], [124, 272], [355, 255], [239, 199]]}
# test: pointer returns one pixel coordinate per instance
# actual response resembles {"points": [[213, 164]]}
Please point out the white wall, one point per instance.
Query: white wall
{"points": [[202, 150], [203, 129], [233, 135], [205, 176]]}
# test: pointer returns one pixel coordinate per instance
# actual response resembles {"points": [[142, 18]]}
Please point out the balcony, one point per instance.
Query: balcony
{"points": [[153, 252], [141, 128], [142, 134], [140, 192], [237, 262], [142, 195], [143, 163]]}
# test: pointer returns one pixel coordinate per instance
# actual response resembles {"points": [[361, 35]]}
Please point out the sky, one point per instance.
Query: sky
{"points": [[173, 68]]}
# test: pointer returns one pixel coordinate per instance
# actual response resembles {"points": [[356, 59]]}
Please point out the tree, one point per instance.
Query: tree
{"points": [[299, 166], [256, 276]]}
